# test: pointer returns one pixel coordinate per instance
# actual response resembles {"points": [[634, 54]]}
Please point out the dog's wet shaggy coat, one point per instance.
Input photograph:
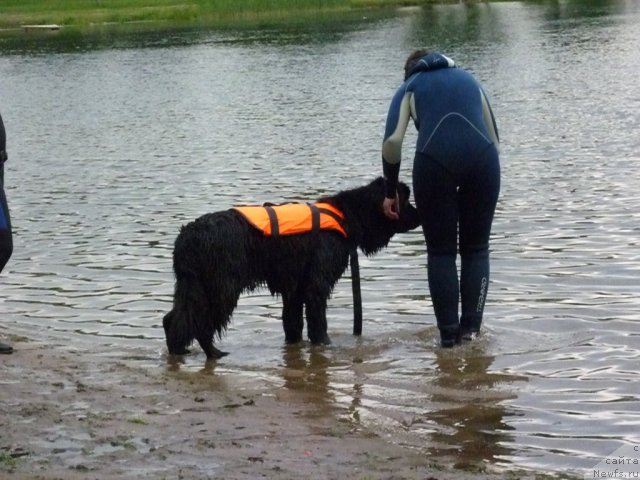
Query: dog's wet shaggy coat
{"points": [[220, 255]]}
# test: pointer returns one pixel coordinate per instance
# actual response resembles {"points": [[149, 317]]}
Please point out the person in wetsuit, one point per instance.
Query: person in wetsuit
{"points": [[456, 182], [6, 240]]}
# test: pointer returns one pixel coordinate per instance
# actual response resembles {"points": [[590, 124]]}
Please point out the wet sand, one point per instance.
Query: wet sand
{"points": [[75, 414]]}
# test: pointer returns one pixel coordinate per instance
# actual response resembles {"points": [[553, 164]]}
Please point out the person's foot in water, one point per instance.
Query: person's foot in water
{"points": [[5, 348], [469, 335], [449, 338]]}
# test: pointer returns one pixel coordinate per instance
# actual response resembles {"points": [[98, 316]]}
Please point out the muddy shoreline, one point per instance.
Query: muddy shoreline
{"points": [[68, 413]]}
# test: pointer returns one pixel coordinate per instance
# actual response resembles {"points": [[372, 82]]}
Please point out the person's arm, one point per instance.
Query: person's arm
{"points": [[395, 129], [489, 120], [3, 151], [3, 141]]}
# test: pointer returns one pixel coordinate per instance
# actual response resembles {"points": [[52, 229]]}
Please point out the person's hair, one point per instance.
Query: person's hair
{"points": [[412, 60]]}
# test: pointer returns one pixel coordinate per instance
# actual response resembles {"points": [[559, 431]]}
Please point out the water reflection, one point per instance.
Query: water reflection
{"points": [[574, 9], [475, 23], [306, 373], [471, 425], [319, 29], [457, 407]]}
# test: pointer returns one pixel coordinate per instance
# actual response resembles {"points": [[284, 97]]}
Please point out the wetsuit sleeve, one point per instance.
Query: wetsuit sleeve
{"points": [[3, 151], [3, 143], [489, 120], [395, 129]]}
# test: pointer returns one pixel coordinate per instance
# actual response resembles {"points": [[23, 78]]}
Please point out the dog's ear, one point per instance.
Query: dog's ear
{"points": [[404, 192], [403, 189], [378, 183]]}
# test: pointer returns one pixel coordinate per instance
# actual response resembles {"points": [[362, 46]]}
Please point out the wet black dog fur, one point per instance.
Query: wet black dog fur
{"points": [[220, 255]]}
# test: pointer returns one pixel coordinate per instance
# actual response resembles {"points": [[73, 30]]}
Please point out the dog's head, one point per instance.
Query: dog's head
{"points": [[368, 226], [409, 218], [177, 338]]}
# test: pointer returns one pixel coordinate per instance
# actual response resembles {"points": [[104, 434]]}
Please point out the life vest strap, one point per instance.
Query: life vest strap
{"points": [[273, 220], [315, 219], [338, 218]]}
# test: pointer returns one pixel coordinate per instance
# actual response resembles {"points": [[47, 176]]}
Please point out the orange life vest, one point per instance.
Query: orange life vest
{"points": [[294, 218]]}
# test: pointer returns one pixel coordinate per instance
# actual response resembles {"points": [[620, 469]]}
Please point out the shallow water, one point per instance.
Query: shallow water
{"points": [[114, 142]]}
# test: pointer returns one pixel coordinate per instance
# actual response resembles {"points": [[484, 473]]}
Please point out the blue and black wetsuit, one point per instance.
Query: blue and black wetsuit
{"points": [[456, 182], [6, 240]]}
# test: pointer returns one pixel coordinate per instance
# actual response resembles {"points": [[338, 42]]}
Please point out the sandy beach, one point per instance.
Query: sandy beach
{"points": [[73, 414]]}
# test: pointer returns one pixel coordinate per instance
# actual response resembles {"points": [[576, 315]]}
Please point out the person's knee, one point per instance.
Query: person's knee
{"points": [[442, 250], [474, 249]]}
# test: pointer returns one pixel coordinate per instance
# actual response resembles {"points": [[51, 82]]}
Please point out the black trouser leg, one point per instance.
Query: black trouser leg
{"points": [[436, 198], [478, 198], [453, 206], [6, 237]]}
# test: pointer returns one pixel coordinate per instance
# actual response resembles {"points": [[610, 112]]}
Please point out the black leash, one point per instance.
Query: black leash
{"points": [[357, 296]]}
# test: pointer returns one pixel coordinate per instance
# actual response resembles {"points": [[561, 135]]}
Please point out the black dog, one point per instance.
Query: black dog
{"points": [[220, 255]]}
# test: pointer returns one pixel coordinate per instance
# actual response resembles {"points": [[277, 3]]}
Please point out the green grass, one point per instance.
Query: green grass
{"points": [[137, 421], [14, 13], [7, 460]]}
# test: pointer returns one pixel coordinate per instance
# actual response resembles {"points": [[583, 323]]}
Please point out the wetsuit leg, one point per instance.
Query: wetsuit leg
{"points": [[436, 198], [478, 196], [6, 238]]}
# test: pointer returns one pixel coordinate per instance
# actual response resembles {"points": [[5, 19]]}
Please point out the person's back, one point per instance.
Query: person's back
{"points": [[450, 115], [450, 111]]}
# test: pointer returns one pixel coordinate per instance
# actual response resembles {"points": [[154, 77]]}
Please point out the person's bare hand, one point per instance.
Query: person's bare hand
{"points": [[391, 207]]}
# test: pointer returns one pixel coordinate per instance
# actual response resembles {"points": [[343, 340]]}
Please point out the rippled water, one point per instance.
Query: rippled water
{"points": [[116, 142]]}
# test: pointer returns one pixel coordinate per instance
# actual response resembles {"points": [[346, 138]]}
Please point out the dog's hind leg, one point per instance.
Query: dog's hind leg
{"points": [[214, 318], [205, 339], [292, 318]]}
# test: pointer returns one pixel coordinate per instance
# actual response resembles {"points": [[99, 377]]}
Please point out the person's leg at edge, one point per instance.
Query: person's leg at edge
{"points": [[436, 199], [6, 247], [6, 238], [478, 196]]}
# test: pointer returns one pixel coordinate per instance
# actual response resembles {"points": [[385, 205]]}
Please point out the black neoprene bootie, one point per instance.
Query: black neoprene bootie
{"points": [[469, 335], [469, 328], [5, 348], [449, 338]]}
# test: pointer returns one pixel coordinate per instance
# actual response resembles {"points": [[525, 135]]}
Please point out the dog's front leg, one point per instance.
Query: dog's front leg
{"points": [[316, 310], [292, 320]]}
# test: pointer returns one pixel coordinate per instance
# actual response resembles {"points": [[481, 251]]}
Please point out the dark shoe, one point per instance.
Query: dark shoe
{"points": [[469, 336], [449, 338], [5, 348]]}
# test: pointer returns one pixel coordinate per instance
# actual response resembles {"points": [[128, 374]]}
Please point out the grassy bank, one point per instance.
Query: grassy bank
{"points": [[15, 13]]}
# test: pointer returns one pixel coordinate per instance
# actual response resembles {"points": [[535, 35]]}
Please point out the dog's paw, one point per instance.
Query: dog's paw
{"points": [[215, 353], [325, 340], [184, 351]]}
